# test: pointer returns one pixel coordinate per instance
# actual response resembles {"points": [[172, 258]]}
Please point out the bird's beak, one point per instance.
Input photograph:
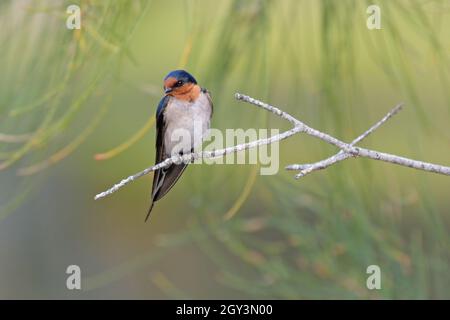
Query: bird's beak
{"points": [[168, 90]]}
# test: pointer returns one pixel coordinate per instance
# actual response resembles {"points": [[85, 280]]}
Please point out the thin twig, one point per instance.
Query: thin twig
{"points": [[306, 169], [347, 150], [187, 158]]}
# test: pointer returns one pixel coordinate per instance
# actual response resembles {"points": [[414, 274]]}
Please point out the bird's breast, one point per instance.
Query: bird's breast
{"points": [[186, 124]]}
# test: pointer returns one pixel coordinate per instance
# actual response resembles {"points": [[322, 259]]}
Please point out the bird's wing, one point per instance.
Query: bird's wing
{"points": [[164, 179]]}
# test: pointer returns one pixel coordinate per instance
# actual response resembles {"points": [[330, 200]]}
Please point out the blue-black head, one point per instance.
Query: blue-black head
{"points": [[177, 80]]}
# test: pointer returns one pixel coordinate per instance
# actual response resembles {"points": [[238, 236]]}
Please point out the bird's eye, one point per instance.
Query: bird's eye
{"points": [[179, 83]]}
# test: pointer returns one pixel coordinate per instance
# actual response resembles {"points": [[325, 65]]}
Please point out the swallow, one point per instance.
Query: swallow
{"points": [[184, 111]]}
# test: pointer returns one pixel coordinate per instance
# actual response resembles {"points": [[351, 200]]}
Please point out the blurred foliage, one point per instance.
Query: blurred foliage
{"points": [[41, 95], [261, 236]]}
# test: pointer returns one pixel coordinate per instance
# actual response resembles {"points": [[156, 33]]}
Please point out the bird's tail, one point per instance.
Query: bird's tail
{"points": [[149, 210]]}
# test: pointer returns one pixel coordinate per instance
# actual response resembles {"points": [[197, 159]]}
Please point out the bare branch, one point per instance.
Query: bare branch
{"points": [[199, 155], [351, 150], [306, 169], [347, 150]]}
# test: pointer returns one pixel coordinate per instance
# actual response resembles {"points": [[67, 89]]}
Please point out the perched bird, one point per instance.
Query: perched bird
{"points": [[185, 110]]}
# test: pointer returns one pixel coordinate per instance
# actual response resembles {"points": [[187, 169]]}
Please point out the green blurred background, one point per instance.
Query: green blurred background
{"points": [[76, 111]]}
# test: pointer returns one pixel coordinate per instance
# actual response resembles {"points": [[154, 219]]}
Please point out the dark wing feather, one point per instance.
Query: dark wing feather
{"points": [[163, 179]]}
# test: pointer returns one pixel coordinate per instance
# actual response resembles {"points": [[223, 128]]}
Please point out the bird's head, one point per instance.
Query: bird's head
{"points": [[181, 84]]}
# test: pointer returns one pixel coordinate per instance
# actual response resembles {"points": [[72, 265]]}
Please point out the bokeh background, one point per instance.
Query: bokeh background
{"points": [[76, 116]]}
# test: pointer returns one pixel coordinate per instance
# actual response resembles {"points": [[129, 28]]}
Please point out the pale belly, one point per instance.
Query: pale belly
{"points": [[187, 124]]}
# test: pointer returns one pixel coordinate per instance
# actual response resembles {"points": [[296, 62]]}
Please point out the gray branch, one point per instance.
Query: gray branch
{"points": [[306, 169], [346, 150]]}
